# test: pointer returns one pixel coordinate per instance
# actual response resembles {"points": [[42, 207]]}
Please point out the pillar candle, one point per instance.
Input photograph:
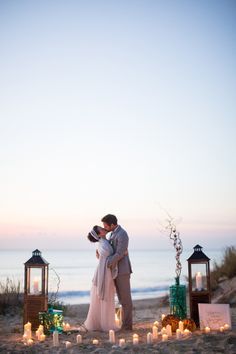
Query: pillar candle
{"points": [[55, 338], [67, 327], [163, 316], [178, 333], [207, 329], [186, 332], [95, 341], [36, 286], [181, 326], [149, 338], [222, 329], [42, 337], [154, 332], [156, 323], [78, 339], [135, 339], [164, 337], [117, 321], [68, 344], [163, 330], [169, 330], [199, 281], [226, 327], [122, 342], [112, 336], [30, 341]]}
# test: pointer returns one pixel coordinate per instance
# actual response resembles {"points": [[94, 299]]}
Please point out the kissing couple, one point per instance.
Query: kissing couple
{"points": [[112, 275]]}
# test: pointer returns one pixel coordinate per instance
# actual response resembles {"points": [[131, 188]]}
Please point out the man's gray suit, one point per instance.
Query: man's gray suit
{"points": [[119, 240]]}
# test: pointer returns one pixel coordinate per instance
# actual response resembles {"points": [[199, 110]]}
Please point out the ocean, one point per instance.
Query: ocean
{"points": [[153, 271]]}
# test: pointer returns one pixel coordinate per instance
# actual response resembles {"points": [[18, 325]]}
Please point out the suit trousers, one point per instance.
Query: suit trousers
{"points": [[122, 284]]}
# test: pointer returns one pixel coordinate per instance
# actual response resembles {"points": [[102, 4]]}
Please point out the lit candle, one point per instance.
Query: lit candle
{"points": [[207, 329], [222, 329], [178, 333], [55, 338], [36, 286], [67, 327], [199, 281], [181, 326], [27, 326], [163, 316], [78, 339], [164, 337], [112, 336], [186, 332], [135, 339], [42, 337], [95, 341], [154, 332], [117, 321], [68, 344], [163, 330], [28, 334], [30, 341], [156, 323], [226, 327], [149, 338], [122, 342], [169, 330]]}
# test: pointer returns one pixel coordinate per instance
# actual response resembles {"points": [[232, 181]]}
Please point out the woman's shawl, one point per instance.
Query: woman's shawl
{"points": [[105, 250]]}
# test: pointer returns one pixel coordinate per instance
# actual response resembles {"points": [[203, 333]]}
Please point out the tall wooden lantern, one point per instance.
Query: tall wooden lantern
{"points": [[35, 288], [199, 281]]}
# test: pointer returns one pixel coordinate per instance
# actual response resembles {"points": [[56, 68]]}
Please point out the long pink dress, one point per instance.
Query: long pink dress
{"points": [[101, 315]]}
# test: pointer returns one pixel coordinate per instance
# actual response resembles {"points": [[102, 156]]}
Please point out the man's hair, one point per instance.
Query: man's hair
{"points": [[110, 219]]}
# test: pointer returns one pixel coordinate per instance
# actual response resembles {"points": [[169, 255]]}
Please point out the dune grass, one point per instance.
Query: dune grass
{"points": [[11, 296], [225, 269]]}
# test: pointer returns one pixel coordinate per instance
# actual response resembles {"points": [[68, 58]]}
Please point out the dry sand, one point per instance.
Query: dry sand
{"points": [[145, 313]]}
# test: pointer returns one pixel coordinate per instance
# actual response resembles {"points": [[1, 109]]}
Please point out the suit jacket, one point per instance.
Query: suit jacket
{"points": [[119, 241]]}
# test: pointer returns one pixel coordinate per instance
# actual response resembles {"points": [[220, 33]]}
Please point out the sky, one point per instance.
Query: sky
{"points": [[122, 107]]}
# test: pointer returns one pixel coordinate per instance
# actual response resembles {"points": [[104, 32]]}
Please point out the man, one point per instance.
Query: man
{"points": [[119, 240]]}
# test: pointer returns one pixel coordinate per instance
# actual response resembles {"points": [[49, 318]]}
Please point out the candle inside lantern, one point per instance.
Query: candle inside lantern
{"points": [[181, 326], [55, 338], [199, 281], [207, 330], [149, 338], [164, 337], [95, 341], [78, 339], [122, 342], [154, 332], [112, 336], [36, 286], [135, 339], [178, 333]]}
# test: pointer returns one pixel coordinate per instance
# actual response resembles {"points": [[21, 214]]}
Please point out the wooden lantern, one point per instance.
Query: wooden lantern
{"points": [[199, 281], [35, 288]]}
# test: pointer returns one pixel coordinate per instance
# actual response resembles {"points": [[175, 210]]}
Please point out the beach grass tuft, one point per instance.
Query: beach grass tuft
{"points": [[226, 269], [11, 296]]}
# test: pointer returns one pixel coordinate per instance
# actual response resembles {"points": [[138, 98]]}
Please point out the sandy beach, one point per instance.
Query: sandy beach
{"points": [[145, 313]]}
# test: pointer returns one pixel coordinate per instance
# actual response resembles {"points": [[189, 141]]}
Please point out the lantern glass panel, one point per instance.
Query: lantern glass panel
{"points": [[35, 281], [199, 277]]}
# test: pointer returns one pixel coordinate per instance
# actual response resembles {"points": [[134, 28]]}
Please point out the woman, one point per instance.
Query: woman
{"points": [[101, 315]]}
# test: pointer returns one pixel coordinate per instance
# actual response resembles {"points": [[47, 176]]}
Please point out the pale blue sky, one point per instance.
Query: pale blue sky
{"points": [[117, 107]]}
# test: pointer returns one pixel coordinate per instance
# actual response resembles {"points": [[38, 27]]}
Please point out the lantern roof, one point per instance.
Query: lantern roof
{"points": [[198, 254], [36, 259]]}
